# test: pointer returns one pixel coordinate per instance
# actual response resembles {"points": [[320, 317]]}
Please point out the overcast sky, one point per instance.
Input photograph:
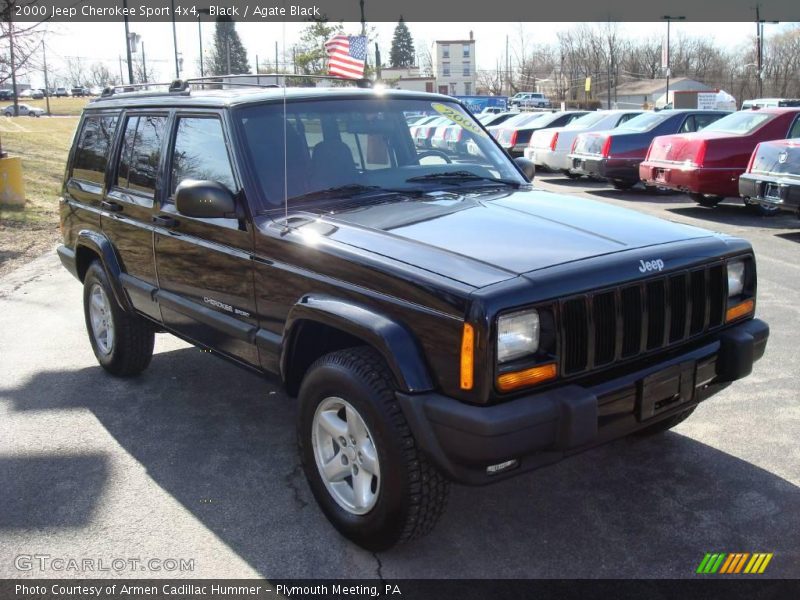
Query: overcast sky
{"points": [[104, 42]]}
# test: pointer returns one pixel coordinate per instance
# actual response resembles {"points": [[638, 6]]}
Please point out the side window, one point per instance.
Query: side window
{"points": [[688, 125], [140, 154], [794, 132], [91, 155], [201, 153], [627, 117], [703, 121]]}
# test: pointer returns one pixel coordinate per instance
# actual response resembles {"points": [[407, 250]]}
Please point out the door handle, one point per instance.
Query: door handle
{"points": [[167, 222], [111, 206]]}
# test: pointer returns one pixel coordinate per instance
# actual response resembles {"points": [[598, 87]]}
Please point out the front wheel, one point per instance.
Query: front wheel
{"points": [[122, 342], [359, 455], [706, 200]]}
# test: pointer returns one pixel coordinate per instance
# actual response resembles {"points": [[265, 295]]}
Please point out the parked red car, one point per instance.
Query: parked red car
{"points": [[707, 164]]}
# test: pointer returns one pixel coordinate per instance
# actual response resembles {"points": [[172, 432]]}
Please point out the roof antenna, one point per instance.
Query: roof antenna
{"points": [[285, 145]]}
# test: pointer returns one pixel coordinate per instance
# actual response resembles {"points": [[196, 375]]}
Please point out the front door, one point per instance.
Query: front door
{"points": [[204, 265]]}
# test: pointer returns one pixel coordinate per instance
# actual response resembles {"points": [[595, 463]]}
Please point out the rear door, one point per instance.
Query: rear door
{"points": [[204, 265], [128, 202]]}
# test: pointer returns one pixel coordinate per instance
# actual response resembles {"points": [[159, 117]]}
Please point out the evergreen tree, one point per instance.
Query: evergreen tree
{"points": [[402, 53], [228, 55]]}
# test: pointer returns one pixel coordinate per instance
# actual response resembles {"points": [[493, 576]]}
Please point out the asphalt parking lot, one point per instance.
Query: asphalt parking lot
{"points": [[196, 458]]}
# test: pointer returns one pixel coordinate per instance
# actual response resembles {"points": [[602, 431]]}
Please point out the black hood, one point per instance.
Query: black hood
{"points": [[483, 238]]}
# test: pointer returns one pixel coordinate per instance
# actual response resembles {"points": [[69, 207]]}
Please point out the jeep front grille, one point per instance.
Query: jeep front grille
{"points": [[622, 323]]}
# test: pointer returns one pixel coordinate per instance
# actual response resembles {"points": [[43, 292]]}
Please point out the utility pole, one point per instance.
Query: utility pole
{"points": [[200, 37], [228, 53], [46, 85], [669, 19], [276, 56], [175, 41], [508, 69], [144, 65], [377, 62], [363, 19], [121, 76], [13, 64], [128, 42]]}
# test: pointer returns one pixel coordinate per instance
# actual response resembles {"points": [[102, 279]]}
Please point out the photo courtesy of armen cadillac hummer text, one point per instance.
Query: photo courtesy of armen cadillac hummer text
{"points": [[436, 316]]}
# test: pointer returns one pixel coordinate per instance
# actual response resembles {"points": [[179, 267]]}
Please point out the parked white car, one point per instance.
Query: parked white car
{"points": [[24, 109], [549, 148], [530, 100]]}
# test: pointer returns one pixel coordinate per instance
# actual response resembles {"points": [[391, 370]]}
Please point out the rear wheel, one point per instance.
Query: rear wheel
{"points": [[706, 200], [358, 453], [622, 184], [761, 210], [122, 341]]}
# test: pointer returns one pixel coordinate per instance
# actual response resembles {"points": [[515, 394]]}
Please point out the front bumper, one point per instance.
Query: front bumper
{"points": [[771, 191], [541, 428], [686, 178]]}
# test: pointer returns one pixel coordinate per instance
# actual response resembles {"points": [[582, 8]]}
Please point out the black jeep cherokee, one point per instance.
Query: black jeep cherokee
{"points": [[437, 317]]}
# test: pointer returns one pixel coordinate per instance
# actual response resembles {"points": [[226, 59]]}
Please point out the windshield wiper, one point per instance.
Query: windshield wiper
{"points": [[344, 191], [457, 177]]}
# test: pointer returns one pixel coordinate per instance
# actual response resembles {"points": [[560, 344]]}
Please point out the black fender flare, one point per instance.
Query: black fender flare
{"points": [[102, 246], [392, 340]]}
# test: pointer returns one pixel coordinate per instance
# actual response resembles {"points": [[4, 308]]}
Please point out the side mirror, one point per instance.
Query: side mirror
{"points": [[526, 166], [204, 199]]}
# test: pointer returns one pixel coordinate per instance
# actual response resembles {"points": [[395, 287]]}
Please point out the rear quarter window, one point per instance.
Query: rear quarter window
{"points": [[91, 153]]}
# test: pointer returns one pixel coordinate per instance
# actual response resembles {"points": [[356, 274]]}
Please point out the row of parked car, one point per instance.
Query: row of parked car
{"points": [[708, 154], [58, 92]]}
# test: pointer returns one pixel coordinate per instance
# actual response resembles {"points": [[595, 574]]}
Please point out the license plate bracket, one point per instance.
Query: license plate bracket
{"points": [[665, 389], [661, 175], [772, 191]]}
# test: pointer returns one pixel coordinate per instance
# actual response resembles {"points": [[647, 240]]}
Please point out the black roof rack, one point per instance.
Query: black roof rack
{"points": [[183, 86]]}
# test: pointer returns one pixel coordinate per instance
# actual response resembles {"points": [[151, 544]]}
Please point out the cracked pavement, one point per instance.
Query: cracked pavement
{"points": [[196, 458]]}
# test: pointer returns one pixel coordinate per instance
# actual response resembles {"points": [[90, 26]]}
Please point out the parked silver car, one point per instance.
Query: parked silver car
{"points": [[549, 148], [24, 110]]}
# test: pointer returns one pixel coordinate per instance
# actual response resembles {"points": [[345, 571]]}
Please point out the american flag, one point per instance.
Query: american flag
{"points": [[347, 55]]}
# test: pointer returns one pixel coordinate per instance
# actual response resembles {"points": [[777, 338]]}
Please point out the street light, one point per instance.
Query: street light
{"points": [[760, 48], [669, 19], [201, 11]]}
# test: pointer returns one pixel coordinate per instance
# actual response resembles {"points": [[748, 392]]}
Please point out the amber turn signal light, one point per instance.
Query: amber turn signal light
{"points": [[467, 356], [740, 310], [527, 377]]}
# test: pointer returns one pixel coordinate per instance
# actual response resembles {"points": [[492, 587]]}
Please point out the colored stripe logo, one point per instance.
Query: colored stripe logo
{"points": [[734, 563]]}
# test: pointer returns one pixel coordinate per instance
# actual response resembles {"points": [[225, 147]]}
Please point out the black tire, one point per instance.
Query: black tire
{"points": [[133, 337], [761, 211], [706, 200], [570, 174], [623, 184], [666, 424], [411, 493]]}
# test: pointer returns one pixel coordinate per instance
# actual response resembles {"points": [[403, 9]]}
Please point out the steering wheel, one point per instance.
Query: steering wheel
{"points": [[438, 153]]}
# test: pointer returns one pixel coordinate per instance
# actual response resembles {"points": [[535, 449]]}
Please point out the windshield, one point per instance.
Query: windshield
{"points": [[646, 121], [587, 120], [739, 122], [358, 149]]}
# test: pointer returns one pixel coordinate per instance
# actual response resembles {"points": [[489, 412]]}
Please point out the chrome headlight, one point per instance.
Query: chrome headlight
{"points": [[735, 278], [517, 335]]}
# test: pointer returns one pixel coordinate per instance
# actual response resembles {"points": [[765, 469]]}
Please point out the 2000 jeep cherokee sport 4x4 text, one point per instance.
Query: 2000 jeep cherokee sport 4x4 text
{"points": [[436, 317]]}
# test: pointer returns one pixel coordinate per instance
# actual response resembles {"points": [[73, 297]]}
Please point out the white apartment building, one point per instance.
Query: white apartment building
{"points": [[455, 66]]}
